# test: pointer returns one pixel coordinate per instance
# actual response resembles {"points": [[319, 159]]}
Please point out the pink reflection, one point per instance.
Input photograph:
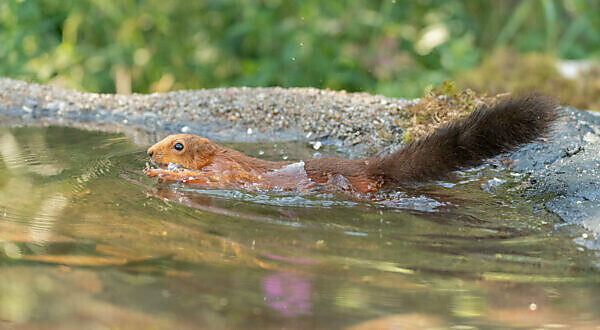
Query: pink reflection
{"points": [[288, 294]]}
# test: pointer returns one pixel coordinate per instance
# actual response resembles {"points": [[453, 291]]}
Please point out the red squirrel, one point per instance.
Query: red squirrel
{"points": [[488, 131]]}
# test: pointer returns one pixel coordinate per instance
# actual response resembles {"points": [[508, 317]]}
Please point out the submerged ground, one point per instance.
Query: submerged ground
{"points": [[86, 238]]}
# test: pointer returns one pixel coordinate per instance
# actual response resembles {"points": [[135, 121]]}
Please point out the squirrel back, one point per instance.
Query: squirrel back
{"points": [[485, 133]]}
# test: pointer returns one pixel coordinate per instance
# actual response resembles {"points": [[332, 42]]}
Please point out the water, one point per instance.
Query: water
{"points": [[87, 240]]}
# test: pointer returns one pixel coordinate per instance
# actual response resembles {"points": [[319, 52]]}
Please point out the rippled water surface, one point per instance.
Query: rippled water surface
{"points": [[86, 239]]}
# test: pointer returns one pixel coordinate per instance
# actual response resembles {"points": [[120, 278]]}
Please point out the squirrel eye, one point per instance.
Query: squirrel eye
{"points": [[178, 146]]}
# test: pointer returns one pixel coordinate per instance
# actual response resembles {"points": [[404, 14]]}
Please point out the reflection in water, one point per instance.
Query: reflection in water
{"points": [[87, 239], [42, 223], [206, 203], [33, 156], [295, 260], [21, 160], [288, 294]]}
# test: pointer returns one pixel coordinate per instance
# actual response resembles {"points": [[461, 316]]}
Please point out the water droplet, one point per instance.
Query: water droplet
{"points": [[293, 59]]}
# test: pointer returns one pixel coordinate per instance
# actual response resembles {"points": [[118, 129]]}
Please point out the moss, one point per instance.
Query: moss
{"points": [[439, 106], [407, 137]]}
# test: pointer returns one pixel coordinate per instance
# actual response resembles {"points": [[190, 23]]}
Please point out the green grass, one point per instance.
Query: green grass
{"points": [[392, 47]]}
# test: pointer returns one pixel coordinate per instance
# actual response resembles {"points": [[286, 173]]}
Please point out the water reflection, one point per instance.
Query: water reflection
{"points": [[288, 294], [86, 238], [19, 194]]}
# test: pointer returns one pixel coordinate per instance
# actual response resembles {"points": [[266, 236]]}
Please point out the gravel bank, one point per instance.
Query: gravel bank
{"points": [[357, 122]]}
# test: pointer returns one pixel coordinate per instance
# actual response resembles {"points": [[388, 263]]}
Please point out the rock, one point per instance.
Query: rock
{"points": [[567, 167]]}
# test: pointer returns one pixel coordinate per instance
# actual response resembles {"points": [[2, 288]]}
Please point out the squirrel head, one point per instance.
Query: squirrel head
{"points": [[189, 151]]}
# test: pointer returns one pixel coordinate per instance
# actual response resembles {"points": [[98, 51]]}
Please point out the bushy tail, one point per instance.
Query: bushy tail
{"points": [[487, 132]]}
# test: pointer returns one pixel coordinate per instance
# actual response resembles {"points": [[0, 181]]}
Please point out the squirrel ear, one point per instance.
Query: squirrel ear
{"points": [[203, 153], [205, 148]]}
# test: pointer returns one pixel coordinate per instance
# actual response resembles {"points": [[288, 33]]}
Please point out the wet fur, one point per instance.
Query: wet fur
{"points": [[487, 132]]}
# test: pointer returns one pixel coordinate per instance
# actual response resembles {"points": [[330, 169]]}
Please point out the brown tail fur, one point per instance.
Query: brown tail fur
{"points": [[487, 132]]}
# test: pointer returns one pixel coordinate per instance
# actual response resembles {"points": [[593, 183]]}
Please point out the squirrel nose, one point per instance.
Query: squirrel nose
{"points": [[150, 153]]}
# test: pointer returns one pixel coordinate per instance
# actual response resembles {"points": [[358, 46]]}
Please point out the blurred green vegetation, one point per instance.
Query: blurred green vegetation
{"points": [[392, 47]]}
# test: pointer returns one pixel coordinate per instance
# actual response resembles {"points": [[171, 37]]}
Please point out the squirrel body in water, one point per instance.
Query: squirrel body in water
{"points": [[485, 133]]}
